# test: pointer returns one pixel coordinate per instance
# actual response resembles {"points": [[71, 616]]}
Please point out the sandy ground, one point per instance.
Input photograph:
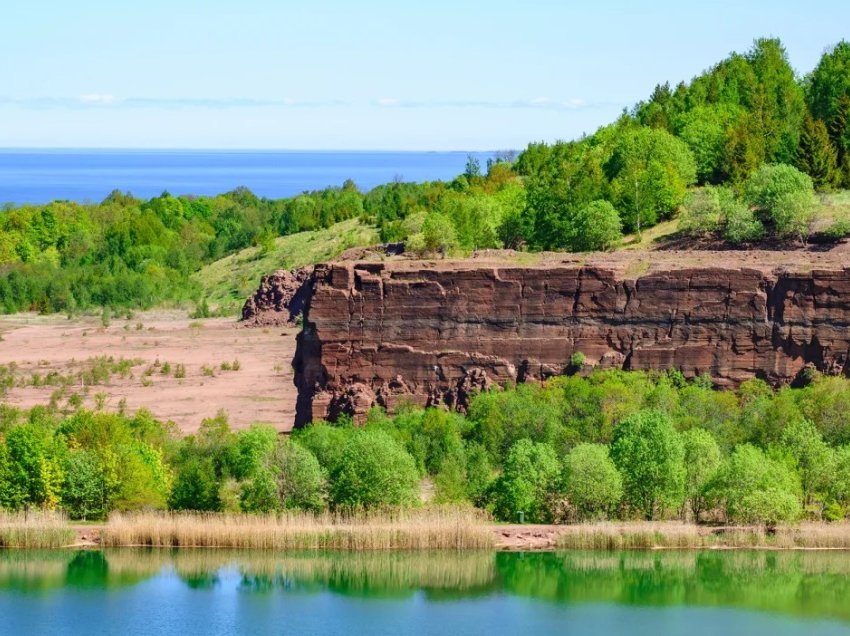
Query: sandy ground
{"points": [[261, 390]]}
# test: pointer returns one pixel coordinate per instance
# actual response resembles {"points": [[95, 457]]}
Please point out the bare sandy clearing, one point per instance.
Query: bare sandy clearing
{"points": [[64, 352]]}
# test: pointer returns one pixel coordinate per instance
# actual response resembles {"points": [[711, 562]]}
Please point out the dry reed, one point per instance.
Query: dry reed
{"points": [[438, 528], [642, 535], [38, 529]]}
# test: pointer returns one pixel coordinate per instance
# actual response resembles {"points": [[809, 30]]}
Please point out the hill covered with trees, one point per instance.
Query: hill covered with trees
{"points": [[737, 154]]}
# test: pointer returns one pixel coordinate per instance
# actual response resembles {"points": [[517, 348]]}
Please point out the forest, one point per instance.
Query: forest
{"points": [[611, 445], [742, 153]]}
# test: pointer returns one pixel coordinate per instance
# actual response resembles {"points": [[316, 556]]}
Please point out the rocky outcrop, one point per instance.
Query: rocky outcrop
{"points": [[388, 333], [280, 298]]}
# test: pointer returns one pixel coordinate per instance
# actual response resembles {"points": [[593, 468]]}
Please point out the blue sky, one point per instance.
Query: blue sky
{"points": [[400, 75]]}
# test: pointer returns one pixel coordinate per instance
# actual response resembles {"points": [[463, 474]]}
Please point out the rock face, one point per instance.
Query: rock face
{"points": [[384, 333], [279, 300]]}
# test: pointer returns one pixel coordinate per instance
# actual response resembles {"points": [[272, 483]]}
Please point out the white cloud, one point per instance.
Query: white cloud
{"points": [[388, 102], [97, 98]]}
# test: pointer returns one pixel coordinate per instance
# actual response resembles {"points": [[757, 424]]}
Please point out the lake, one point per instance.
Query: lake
{"points": [[39, 176], [219, 592]]}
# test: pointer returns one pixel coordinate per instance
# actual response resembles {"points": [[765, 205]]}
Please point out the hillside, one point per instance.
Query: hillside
{"points": [[227, 282]]}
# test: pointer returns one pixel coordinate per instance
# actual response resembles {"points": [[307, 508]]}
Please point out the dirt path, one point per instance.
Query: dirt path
{"points": [[260, 391]]}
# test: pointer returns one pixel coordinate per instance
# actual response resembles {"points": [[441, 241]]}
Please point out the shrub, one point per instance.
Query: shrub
{"points": [[702, 213], [753, 488], [438, 233], [374, 470], [301, 481], [596, 226], [742, 225], [592, 482], [784, 196]]}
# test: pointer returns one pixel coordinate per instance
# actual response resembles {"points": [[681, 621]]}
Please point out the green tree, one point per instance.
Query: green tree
{"points": [[439, 234], [528, 481], [301, 481], [650, 171], [702, 457], [592, 483], [650, 456], [374, 470], [752, 488], [815, 462], [596, 226], [817, 156], [702, 213], [742, 225], [84, 489]]}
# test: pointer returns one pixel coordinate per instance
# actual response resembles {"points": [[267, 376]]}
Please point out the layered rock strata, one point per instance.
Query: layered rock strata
{"points": [[386, 333], [280, 298]]}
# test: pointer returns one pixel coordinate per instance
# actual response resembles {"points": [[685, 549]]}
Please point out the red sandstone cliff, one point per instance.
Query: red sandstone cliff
{"points": [[382, 333]]}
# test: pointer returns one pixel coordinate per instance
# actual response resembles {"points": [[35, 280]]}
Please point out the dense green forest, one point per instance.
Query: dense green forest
{"points": [[614, 444], [736, 154]]}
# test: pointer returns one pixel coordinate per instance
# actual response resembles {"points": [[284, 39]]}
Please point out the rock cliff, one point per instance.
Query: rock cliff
{"points": [[430, 333], [279, 300]]}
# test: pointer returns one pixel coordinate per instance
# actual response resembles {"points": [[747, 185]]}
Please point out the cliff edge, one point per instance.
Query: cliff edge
{"points": [[431, 332]]}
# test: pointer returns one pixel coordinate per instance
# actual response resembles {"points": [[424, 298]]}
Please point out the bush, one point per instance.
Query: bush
{"points": [[752, 488], [650, 456], [592, 483], [702, 213], [374, 470], [529, 478], [301, 481], [784, 196], [596, 226], [742, 225], [438, 233]]}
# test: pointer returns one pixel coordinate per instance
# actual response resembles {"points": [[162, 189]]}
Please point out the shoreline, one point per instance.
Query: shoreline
{"points": [[426, 533]]}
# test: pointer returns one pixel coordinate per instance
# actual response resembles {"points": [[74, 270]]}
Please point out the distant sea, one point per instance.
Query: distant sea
{"points": [[39, 176]]}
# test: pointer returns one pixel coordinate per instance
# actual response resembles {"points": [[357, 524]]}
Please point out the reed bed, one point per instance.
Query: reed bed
{"points": [[643, 535], [438, 528], [37, 529]]}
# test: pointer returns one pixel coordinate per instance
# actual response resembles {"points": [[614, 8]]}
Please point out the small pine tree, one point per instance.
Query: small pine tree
{"points": [[817, 156]]}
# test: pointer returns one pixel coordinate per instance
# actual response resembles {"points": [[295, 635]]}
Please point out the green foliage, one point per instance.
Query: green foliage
{"points": [[702, 213], [528, 480], [374, 470], [814, 461], [784, 196], [650, 456], [750, 487], [438, 234], [817, 155], [742, 225], [301, 481], [593, 484], [596, 226], [702, 457]]}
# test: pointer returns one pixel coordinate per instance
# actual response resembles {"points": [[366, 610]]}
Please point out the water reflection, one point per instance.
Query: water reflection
{"points": [[806, 584]]}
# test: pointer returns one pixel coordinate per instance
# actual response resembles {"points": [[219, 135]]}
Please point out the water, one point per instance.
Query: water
{"points": [[214, 592], [39, 176]]}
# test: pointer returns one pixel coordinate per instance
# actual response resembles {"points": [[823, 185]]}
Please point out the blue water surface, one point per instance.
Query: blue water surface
{"points": [[39, 176]]}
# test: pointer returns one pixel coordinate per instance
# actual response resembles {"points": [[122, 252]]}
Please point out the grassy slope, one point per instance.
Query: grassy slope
{"points": [[229, 281]]}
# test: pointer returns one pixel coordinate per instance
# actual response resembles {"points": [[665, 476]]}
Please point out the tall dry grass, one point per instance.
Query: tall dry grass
{"points": [[438, 528], [39, 529], [643, 535]]}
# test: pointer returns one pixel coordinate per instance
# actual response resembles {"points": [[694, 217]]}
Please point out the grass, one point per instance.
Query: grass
{"points": [[641, 535], [229, 281], [439, 528], [35, 530]]}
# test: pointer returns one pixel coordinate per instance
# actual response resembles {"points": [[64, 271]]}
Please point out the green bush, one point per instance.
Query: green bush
{"points": [[374, 470], [750, 487], [742, 225], [596, 226], [702, 458]]}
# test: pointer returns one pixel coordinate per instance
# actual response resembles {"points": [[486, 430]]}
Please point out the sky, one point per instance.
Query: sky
{"points": [[367, 74]]}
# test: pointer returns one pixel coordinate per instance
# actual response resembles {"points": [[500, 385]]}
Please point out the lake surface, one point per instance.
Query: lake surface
{"points": [[219, 592], [39, 176]]}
